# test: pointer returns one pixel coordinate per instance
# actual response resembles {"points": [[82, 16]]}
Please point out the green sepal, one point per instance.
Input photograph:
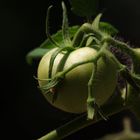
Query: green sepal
{"points": [[54, 55], [53, 83], [91, 99], [65, 27], [90, 108], [103, 26], [96, 21]]}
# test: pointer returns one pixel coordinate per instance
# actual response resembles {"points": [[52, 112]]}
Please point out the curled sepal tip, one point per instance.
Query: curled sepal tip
{"points": [[90, 109], [52, 85], [47, 28], [96, 21]]}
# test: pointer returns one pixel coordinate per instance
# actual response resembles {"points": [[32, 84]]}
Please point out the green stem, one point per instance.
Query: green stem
{"points": [[90, 99], [84, 40], [121, 45]]}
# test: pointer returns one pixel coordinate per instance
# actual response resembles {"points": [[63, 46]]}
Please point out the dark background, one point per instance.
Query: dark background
{"points": [[25, 113]]}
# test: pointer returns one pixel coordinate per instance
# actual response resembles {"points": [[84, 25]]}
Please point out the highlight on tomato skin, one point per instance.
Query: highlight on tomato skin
{"points": [[73, 92]]}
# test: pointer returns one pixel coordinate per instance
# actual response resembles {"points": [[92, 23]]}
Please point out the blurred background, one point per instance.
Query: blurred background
{"points": [[25, 113]]}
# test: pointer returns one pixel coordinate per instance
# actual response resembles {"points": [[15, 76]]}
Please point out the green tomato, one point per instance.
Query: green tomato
{"points": [[73, 92]]}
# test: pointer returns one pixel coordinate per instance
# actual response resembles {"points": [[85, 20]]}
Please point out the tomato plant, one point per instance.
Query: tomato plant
{"points": [[78, 73]]}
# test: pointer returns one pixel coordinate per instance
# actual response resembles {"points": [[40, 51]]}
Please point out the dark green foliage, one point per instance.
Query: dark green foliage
{"points": [[84, 8]]}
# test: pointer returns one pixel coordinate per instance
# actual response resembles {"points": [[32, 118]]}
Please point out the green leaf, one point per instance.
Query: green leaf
{"points": [[35, 54], [84, 8], [108, 28], [46, 46]]}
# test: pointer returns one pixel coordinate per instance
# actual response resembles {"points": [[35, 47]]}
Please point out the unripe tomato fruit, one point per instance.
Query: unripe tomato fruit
{"points": [[73, 92]]}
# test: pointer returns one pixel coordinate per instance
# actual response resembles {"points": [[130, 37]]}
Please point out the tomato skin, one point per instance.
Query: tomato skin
{"points": [[73, 92]]}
